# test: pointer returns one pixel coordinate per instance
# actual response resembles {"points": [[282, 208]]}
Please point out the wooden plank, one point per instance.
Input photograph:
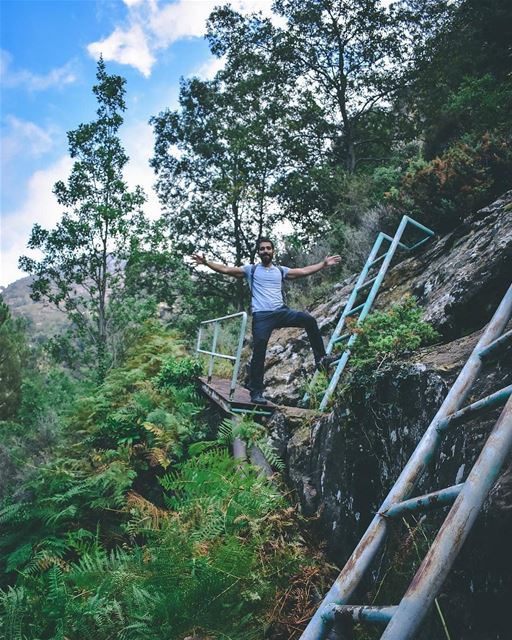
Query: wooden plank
{"points": [[218, 391], [219, 387]]}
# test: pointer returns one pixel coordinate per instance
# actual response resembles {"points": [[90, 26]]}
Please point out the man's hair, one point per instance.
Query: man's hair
{"points": [[264, 239]]}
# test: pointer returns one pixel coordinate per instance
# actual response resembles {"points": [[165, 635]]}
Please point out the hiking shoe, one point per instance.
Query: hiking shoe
{"points": [[258, 398], [325, 363]]}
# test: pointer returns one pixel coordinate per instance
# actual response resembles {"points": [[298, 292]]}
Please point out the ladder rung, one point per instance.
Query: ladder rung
{"points": [[378, 259], [495, 347], [358, 613], [343, 337], [419, 243], [355, 310], [432, 500], [489, 402], [390, 239], [365, 284]]}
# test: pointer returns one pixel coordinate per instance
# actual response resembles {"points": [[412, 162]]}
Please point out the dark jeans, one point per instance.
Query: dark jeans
{"points": [[264, 322]]}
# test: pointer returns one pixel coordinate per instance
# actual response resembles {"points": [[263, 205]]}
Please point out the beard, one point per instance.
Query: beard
{"points": [[266, 258]]}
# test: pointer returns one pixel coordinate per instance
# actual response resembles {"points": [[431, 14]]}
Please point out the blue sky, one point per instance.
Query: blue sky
{"points": [[48, 59]]}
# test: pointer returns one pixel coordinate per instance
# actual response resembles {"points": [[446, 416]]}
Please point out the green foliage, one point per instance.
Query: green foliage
{"points": [[13, 351], [179, 373], [139, 527], [386, 335], [444, 191]]}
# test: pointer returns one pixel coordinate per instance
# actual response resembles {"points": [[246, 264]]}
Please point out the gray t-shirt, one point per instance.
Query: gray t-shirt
{"points": [[267, 294]]}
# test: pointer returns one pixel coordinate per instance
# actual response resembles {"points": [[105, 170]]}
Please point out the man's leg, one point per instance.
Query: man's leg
{"points": [[263, 323], [303, 319]]}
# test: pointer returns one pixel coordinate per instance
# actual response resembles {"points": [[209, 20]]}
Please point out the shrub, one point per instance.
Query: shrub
{"points": [[443, 192], [388, 334]]}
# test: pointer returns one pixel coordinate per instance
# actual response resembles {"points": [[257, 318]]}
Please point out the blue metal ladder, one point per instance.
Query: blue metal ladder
{"points": [[466, 498], [361, 286]]}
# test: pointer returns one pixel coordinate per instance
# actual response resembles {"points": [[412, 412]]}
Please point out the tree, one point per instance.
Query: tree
{"points": [[83, 257], [461, 79], [13, 352], [218, 160], [342, 66]]}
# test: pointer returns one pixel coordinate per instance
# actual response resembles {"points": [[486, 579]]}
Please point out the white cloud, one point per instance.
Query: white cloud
{"points": [[129, 47], [152, 26], [25, 138], [208, 69], [40, 206], [33, 81]]}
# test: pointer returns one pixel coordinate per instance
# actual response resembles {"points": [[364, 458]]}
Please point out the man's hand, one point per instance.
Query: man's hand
{"points": [[200, 258], [330, 261]]}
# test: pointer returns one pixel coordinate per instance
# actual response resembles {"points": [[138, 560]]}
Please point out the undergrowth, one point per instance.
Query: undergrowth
{"points": [[383, 337], [143, 526]]}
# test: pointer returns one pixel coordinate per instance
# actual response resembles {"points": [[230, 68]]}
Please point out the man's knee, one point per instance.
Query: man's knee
{"points": [[307, 319]]}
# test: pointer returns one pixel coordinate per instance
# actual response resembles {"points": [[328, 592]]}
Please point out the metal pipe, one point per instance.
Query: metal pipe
{"points": [[341, 364], [485, 404], [236, 366], [426, 230], [369, 545], [433, 500], [497, 345], [359, 613], [252, 412], [232, 315], [439, 559], [215, 353], [214, 344]]}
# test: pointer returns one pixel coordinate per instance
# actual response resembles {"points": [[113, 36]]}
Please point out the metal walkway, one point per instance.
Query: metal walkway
{"points": [[362, 287], [405, 619]]}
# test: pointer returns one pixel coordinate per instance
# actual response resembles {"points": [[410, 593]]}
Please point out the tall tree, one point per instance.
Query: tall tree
{"points": [[345, 57], [217, 161], [83, 256]]}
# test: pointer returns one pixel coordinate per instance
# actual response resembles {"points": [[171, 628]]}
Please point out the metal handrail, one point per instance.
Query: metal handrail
{"points": [[215, 354]]}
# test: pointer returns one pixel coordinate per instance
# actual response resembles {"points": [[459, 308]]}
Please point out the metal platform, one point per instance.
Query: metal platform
{"points": [[218, 390]]}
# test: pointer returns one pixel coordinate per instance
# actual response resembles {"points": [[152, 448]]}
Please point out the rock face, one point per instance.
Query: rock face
{"points": [[459, 279], [342, 465]]}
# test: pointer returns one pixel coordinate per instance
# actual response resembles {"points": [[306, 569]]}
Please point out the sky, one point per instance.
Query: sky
{"points": [[48, 54]]}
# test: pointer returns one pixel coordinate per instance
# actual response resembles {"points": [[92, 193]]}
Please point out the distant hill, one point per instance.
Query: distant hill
{"points": [[44, 320]]}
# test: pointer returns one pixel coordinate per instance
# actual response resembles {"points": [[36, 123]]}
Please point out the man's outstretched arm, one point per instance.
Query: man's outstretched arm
{"points": [[236, 272], [329, 261]]}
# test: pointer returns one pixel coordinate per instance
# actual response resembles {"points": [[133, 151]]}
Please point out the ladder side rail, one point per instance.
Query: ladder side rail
{"points": [[437, 563], [421, 227], [352, 298], [365, 310], [348, 306], [369, 545]]}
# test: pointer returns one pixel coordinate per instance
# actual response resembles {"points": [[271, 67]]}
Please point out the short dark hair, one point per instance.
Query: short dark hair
{"points": [[264, 239]]}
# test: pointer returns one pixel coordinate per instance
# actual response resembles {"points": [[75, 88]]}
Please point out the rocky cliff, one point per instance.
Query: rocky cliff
{"points": [[342, 465]]}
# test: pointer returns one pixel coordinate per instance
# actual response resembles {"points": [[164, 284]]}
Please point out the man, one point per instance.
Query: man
{"points": [[269, 310]]}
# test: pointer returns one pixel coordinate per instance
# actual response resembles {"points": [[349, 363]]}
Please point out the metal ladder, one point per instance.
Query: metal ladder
{"points": [[361, 286], [404, 619]]}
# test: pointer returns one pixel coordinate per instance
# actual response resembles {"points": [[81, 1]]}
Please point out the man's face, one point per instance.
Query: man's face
{"points": [[266, 253]]}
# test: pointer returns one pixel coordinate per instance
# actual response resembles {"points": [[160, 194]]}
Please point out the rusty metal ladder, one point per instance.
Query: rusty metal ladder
{"points": [[404, 619]]}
